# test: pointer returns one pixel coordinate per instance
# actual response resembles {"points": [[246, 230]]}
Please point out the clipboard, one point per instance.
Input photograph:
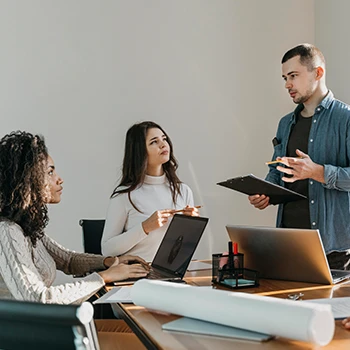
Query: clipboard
{"points": [[250, 185]]}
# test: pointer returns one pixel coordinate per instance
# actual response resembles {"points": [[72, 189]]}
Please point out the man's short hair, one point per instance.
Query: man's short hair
{"points": [[310, 56]]}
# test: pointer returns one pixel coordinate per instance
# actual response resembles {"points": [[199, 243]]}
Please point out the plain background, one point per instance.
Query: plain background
{"points": [[82, 72]]}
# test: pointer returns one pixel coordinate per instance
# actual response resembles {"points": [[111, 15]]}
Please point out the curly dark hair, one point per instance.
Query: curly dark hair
{"points": [[22, 182]]}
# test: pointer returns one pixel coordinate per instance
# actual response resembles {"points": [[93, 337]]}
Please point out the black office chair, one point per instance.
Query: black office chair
{"points": [[92, 234], [28, 325]]}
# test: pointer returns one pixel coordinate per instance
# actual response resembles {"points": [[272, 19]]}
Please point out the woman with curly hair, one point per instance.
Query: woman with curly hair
{"points": [[147, 195], [28, 257]]}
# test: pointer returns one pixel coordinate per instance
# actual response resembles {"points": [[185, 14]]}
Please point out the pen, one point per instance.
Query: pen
{"points": [[230, 257], [278, 161], [181, 210], [273, 162]]}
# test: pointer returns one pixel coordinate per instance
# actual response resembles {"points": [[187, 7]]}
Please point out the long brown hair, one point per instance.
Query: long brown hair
{"points": [[22, 182], [135, 162]]}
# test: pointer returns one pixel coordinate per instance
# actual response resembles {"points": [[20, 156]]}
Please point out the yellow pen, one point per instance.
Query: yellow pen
{"points": [[273, 162], [279, 161]]}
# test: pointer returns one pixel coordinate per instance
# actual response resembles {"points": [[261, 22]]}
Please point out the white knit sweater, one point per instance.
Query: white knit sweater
{"points": [[123, 232], [29, 272]]}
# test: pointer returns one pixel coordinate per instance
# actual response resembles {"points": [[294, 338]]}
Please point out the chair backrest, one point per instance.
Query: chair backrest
{"points": [[92, 234], [29, 325]]}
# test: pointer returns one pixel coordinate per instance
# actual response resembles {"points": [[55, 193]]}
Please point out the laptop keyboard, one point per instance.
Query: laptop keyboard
{"points": [[154, 275], [339, 273]]}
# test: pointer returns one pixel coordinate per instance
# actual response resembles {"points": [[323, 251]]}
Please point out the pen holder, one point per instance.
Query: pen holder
{"points": [[228, 271]]}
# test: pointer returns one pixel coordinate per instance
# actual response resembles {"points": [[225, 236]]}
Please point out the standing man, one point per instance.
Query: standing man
{"points": [[313, 146]]}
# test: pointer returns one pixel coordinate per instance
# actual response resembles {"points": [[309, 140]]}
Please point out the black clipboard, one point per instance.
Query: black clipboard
{"points": [[251, 184]]}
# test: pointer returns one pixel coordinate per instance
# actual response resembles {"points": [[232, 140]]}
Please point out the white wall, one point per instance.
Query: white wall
{"points": [[81, 72], [332, 37]]}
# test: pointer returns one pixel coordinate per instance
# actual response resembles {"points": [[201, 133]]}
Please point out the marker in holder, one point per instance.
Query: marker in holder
{"points": [[228, 270]]}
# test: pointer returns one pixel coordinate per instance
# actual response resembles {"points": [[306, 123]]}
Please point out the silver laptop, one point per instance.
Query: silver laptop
{"points": [[285, 254]]}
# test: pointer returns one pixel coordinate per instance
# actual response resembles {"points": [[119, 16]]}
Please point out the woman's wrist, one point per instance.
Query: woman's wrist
{"points": [[103, 276], [145, 228], [110, 260]]}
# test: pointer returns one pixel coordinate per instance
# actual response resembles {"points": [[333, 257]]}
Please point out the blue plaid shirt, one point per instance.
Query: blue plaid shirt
{"points": [[329, 145]]}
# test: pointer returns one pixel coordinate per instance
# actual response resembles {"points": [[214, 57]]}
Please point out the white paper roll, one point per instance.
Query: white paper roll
{"points": [[285, 318]]}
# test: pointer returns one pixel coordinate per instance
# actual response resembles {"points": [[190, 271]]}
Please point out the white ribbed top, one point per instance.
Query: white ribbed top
{"points": [[123, 232]]}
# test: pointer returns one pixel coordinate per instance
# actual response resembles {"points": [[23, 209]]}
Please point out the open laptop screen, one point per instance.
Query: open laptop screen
{"points": [[179, 244]]}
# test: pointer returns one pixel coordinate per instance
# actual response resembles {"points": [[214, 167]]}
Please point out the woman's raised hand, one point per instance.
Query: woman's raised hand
{"points": [[190, 211], [157, 219]]}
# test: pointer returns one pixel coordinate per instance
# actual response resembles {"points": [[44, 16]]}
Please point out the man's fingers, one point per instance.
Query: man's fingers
{"points": [[258, 199], [263, 203], [288, 171], [289, 179], [301, 154]]}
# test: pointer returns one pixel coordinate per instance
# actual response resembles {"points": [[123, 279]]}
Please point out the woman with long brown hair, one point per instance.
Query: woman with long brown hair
{"points": [[147, 196]]}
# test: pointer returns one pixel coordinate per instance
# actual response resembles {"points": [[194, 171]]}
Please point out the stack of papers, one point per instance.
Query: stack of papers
{"points": [[191, 325], [116, 295], [340, 306]]}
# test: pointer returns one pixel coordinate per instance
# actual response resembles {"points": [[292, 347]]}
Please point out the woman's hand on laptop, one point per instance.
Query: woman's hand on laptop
{"points": [[346, 323], [124, 259], [131, 259], [119, 272]]}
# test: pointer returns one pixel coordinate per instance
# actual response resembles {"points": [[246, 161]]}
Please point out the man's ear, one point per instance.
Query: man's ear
{"points": [[319, 72]]}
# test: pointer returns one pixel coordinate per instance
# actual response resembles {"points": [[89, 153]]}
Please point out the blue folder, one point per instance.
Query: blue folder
{"points": [[191, 325]]}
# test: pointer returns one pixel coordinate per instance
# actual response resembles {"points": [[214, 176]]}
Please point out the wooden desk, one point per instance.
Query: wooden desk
{"points": [[147, 325]]}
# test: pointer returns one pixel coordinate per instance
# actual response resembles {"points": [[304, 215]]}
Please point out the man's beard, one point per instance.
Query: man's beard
{"points": [[304, 98]]}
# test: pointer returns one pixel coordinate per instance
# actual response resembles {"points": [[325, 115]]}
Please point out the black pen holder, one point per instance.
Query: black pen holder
{"points": [[228, 271]]}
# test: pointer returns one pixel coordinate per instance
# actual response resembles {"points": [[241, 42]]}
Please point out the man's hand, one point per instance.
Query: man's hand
{"points": [[259, 201], [301, 167]]}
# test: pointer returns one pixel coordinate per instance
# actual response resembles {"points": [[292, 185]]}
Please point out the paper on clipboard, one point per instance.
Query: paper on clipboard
{"points": [[250, 185]]}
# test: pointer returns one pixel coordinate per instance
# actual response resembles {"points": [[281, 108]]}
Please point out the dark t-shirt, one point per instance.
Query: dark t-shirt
{"points": [[297, 214]]}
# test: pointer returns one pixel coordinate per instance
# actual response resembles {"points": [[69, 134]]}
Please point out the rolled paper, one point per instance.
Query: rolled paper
{"points": [[279, 317]]}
